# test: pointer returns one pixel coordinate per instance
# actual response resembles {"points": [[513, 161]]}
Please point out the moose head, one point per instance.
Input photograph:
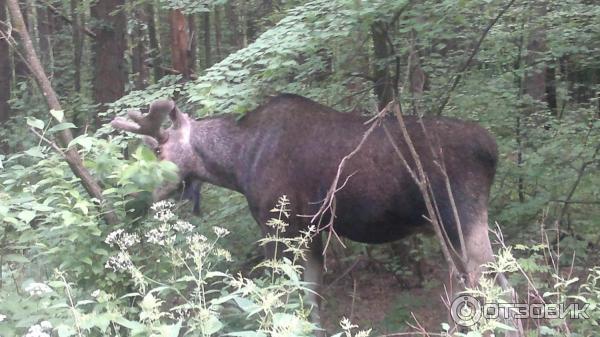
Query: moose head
{"points": [[172, 144]]}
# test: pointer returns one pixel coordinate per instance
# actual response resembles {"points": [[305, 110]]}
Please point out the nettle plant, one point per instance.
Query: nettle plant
{"points": [[194, 293], [180, 285]]}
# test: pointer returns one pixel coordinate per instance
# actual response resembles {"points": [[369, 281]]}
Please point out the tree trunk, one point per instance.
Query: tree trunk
{"points": [[179, 42], [65, 137], [381, 73], [416, 76], [138, 56], [233, 23], [5, 71], [44, 27], [77, 39], [109, 47], [21, 70], [153, 41], [534, 83], [192, 48], [551, 90], [218, 33], [206, 32]]}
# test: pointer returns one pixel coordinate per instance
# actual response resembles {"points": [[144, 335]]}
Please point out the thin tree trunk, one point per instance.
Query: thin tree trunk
{"points": [[551, 90], [110, 74], [138, 67], [21, 70], [153, 41], [77, 39], [381, 73], [218, 33], [5, 71], [206, 32], [44, 22], [179, 42], [535, 78], [416, 75], [71, 155], [233, 23], [192, 48]]}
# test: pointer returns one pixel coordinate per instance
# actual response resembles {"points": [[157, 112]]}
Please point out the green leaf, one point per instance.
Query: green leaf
{"points": [[36, 123], [84, 141], [58, 114], [211, 325], [16, 258], [170, 330], [26, 215], [62, 126], [134, 326], [35, 152], [143, 153], [65, 331]]}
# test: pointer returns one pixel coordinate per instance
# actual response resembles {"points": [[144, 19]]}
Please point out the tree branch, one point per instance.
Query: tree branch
{"points": [[66, 19], [474, 52], [65, 137]]}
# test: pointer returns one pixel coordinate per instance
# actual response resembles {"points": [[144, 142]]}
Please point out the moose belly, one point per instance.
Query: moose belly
{"points": [[377, 224]]}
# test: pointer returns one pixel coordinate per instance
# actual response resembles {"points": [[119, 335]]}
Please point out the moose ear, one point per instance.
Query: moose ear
{"points": [[176, 116]]}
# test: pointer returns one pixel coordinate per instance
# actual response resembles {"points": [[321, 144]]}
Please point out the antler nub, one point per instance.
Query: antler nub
{"points": [[148, 124]]}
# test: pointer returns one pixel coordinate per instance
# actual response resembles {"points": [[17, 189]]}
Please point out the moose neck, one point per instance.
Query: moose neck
{"points": [[218, 143]]}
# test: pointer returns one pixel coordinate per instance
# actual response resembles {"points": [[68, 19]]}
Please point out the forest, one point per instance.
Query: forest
{"points": [[86, 248]]}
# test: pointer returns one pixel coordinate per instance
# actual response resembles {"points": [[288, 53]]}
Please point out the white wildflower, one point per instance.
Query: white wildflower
{"points": [[36, 331], [183, 226], [223, 253], [155, 236], [46, 325], [278, 224], [37, 289], [282, 206], [121, 239], [220, 231], [198, 247], [347, 325], [121, 261], [164, 215], [195, 239], [366, 333], [2, 317], [96, 293], [161, 205], [161, 235]]}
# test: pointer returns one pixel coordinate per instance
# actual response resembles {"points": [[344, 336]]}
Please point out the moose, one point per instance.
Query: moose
{"points": [[292, 145]]}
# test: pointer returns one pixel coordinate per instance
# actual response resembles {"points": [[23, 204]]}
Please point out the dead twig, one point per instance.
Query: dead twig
{"points": [[328, 205]]}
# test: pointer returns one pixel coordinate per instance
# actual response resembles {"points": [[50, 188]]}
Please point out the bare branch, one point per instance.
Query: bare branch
{"points": [[469, 60], [65, 137], [66, 19]]}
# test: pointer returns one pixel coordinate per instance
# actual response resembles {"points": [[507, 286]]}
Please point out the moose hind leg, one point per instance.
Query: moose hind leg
{"points": [[479, 252]]}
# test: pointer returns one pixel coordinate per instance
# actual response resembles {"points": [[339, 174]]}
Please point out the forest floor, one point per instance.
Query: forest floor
{"points": [[373, 297]]}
